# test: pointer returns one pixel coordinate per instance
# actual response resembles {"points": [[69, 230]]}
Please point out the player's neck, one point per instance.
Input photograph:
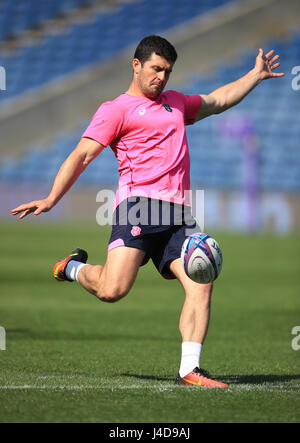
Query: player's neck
{"points": [[134, 91]]}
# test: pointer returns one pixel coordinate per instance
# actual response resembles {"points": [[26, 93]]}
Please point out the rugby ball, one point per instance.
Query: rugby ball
{"points": [[201, 257]]}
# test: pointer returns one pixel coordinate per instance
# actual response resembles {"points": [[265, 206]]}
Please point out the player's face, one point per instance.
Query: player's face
{"points": [[153, 75]]}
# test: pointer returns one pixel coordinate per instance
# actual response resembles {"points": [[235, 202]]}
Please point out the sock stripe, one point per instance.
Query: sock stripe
{"points": [[72, 269]]}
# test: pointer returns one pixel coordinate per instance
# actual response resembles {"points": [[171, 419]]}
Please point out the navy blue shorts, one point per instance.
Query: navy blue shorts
{"points": [[159, 228]]}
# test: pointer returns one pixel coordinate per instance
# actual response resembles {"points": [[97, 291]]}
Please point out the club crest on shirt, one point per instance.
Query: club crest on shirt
{"points": [[135, 231], [168, 107]]}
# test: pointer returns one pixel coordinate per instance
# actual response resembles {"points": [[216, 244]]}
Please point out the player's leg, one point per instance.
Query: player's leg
{"points": [[193, 326], [195, 314], [126, 253], [112, 281], [109, 282]]}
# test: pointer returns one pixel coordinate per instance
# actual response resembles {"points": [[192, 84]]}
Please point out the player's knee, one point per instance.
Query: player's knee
{"points": [[112, 294]]}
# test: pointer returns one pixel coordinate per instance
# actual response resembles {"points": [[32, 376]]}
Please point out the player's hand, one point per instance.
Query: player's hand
{"points": [[37, 207], [265, 65]]}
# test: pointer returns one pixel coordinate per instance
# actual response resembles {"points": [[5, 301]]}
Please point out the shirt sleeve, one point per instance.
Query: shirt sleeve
{"points": [[191, 108], [105, 125]]}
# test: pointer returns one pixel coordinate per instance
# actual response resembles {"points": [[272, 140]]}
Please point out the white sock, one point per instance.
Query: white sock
{"points": [[72, 269], [190, 357]]}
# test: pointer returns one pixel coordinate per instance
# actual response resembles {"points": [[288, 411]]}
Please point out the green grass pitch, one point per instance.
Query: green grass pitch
{"points": [[72, 358]]}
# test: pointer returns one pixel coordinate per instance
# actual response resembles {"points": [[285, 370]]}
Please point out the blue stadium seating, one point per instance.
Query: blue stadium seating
{"points": [[273, 108], [85, 43], [218, 159], [41, 165], [21, 15]]}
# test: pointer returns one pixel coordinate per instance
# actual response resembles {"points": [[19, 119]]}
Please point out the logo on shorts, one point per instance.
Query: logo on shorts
{"points": [[168, 108], [135, 231]]}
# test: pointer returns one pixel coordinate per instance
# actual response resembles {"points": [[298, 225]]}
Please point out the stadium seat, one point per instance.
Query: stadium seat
{"points": [[18, 16], [94, 40], [273, 107]]}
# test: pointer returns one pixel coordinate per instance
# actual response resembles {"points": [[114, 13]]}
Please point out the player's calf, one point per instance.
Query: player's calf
{"points": [[108, 283], [94, 278]]}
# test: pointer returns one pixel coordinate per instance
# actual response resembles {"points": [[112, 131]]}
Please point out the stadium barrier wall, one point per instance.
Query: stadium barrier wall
{"points": [[277, 212]]}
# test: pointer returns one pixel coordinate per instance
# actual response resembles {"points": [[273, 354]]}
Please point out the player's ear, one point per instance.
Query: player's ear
{"points": [[136, 65]]}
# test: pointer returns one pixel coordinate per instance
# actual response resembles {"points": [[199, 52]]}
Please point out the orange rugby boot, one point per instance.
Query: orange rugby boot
{"points": [[60, 267], [199, 377]]}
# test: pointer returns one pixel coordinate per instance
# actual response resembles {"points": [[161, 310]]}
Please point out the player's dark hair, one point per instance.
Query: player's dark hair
{"points": [[158, 45]]}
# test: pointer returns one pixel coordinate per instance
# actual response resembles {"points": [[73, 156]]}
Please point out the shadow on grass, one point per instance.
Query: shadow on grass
{"points": [[259, 379], [232, 379]]}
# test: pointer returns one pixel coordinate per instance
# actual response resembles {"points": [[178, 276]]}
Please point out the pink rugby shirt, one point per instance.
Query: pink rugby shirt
{"points": [[149, 140]]}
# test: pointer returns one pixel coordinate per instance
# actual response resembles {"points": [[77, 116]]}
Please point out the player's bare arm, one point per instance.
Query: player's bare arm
{"points": [[231, 94], [70, 170]]}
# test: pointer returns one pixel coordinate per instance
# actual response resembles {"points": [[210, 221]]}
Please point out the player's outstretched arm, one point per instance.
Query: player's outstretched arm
{"points": [[36, 206], [68, 173], [231, 94]]}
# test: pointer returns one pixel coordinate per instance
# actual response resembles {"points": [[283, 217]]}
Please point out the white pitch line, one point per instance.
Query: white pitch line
{"points": [[232, 388], [84, 387]]}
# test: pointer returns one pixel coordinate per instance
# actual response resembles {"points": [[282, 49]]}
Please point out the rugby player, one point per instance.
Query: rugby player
{"points": [[145, 127]]}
